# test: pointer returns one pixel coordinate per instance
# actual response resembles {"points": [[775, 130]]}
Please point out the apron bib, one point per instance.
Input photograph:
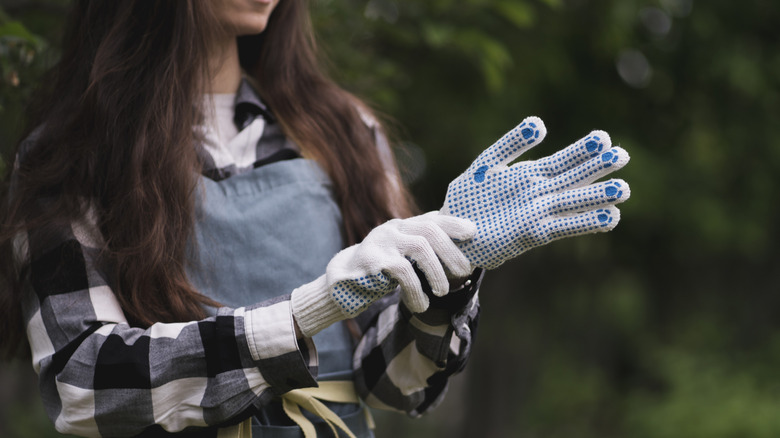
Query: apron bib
{"points": [[263, 233]]}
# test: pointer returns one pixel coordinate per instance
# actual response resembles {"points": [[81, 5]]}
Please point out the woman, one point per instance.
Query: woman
{"points": [[188, 161]]}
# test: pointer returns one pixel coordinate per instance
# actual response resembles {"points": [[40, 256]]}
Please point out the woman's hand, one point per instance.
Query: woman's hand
{"points": [[532, 203], [386, 258]]}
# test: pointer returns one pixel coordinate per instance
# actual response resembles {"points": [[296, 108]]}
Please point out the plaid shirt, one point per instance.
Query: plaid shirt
{"points": [[100, 376]]}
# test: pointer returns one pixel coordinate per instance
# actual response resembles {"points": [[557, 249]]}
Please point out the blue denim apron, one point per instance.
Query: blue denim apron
{"points": [[261, 234]]}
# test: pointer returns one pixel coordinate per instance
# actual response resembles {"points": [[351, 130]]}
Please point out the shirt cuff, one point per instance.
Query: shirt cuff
{"points": [[285, 363]]}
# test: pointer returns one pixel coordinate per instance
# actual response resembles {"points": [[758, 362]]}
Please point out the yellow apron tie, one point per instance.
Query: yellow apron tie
{"points": [[341, 391], [240, 430]]}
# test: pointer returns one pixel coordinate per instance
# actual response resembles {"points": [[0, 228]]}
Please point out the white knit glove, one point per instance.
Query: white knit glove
{"points": [[363, 273], [532, 203]]}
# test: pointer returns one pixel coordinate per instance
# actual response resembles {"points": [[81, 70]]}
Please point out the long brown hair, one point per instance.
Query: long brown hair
{"points": [[116, 117]]}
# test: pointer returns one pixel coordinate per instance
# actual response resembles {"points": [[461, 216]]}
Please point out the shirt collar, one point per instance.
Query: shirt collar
{"points": [[248, 106]]}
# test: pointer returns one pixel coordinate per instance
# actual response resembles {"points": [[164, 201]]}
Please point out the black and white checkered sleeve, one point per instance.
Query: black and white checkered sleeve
{"points": [[404, 360], [99, 376]]}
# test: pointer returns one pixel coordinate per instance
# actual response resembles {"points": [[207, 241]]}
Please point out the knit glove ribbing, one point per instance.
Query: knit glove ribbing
{"points": [[363, 273], [532, 203]]}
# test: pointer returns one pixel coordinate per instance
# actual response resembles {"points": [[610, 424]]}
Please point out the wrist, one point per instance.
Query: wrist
{"points": [[313, 308]]}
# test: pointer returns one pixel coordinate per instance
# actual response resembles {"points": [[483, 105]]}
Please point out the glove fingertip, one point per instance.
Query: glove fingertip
{"points": [[625, 158], [537, 132], [416, 301], [608, 218], [536, 122], [466, 230], [462, 273], [455, 227], [623, 187], [438, 283], [602, 136], [622, 153], [440, 292]]}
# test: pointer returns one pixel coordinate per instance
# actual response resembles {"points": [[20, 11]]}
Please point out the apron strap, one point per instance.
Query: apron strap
{"points": [[340, 391], [240, 430]]}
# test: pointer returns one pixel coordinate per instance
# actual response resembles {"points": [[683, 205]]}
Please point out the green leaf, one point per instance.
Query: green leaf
{"points": [[518, 13], [553, 4], [17, 29], [491, 55], [437, 35]]}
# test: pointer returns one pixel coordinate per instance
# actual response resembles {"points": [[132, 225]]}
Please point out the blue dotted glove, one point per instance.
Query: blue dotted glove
{"points": [[532, 203]]}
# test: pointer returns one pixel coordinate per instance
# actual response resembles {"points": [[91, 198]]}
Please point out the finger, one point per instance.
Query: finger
{"points": [[418, 249], [401, 270], [528, 133], [595, 221], [457, 228], [411, 279], [415, 301], [590, 197], [575, 154], [438, 230], [586, 173]]}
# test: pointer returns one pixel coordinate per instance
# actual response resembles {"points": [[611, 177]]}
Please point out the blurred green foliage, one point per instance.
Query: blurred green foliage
{"points": [[667, 327]]}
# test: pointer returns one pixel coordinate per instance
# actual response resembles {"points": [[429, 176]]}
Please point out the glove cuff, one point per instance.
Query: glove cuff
{"points": [[314, 308]]}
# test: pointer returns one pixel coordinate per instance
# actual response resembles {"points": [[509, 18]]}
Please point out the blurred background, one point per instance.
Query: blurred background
{"points": [[669, 326]]}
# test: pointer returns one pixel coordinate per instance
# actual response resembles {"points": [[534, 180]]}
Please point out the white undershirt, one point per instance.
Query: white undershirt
{"points": [[224, 142]]}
